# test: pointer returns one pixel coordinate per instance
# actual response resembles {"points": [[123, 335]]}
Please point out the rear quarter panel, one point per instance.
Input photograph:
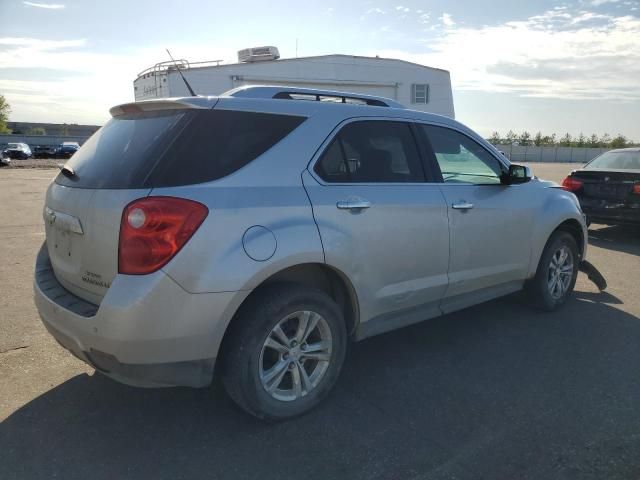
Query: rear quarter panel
{"points": [[267, 192], [215, 259]]}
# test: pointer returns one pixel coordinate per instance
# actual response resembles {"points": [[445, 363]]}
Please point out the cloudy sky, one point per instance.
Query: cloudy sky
{"points": [[540, 65]]}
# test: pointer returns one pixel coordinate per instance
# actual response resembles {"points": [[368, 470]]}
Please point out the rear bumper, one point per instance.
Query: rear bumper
{"points": [[613, 215], [147, 331]]}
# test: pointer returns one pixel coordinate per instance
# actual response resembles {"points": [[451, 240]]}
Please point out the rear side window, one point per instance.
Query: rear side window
{"points": [[174, 147], [372, 152]]}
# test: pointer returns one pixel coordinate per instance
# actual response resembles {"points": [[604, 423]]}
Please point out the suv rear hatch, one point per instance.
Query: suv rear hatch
{"points": [[144, 146]]}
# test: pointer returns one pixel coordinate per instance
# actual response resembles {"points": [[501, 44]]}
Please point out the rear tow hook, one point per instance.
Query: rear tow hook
{"points": [[594, 275]]}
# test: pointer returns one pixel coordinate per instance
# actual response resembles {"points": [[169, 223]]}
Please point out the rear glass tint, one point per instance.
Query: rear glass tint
{"points": [[174, 147], [625, 160]]}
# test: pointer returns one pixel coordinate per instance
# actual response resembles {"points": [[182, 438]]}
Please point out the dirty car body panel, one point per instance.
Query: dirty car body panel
{"points": [[405, 249]]}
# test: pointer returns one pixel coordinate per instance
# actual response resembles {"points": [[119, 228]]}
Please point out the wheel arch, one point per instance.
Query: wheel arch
{"points": [[315, 275], [557, 210], [573, 228], [569, 225]]}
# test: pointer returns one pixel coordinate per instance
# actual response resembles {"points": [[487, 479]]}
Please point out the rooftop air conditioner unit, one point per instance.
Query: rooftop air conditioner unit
{"points": [[258, 54]]}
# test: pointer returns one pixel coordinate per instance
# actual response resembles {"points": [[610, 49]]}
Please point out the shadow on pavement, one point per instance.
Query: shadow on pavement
{"points": [[495, 392], [599, 297], [617, 237]]}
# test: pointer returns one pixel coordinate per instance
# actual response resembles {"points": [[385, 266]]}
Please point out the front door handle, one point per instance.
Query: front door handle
{"points": [[462, 205], [353, 204]]}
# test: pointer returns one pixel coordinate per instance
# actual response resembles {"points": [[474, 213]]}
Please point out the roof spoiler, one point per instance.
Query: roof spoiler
{"points": [[164, 104]]}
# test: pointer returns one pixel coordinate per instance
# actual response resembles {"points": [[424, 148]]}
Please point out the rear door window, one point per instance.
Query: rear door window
{"points": [[174, 147], [372, 152]]}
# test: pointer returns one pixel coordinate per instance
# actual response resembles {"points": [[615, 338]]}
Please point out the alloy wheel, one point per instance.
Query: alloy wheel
{"points": [[295, 355], [560, 272]]}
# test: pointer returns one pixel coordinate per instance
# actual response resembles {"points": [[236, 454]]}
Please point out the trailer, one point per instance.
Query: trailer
{"points": [[416, 86]]}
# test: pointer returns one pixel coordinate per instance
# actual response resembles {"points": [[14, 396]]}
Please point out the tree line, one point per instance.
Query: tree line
{"points": [[540, 140], [511, 138], [5, 110]]}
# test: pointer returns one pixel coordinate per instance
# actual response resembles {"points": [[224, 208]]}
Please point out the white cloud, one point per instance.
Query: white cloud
{"points": [[39, 44], [76, 85], [402, 8], [446, 20], [50, 6], [424, 18], [377, 10], [602, 2], [579, 56]]}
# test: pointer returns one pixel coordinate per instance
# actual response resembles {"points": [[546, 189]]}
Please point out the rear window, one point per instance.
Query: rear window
{"points": [[629, 160], [372, 152], [174, 147]]}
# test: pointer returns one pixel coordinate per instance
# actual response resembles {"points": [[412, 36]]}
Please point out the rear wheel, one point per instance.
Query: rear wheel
{"points": [[556, 274], [284, 351]]}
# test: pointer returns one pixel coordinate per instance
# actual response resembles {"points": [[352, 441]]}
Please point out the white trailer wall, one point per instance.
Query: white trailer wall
{"points": [[374, 76]]}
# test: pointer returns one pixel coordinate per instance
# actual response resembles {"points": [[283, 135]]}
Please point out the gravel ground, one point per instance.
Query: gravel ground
{"points": [[35, 163], [497, 391]]}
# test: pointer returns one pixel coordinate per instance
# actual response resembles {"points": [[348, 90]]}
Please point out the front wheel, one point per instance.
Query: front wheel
{"points": [[284, 351], [556, 274]]}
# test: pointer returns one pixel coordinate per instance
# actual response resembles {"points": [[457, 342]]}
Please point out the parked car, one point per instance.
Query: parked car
{"points": [[5, 160], [66, 150], [608, 187], [20, 151], [44, 151], [258, 234]]}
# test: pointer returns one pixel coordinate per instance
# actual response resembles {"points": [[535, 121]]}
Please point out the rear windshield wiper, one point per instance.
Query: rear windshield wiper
{"points": [[67, 171]]}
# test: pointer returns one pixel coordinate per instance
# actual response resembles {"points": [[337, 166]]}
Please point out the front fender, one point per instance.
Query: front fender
{"points": [[558, 207]]}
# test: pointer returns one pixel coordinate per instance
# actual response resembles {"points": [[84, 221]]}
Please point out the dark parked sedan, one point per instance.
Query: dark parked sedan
{"points": [[66, 150], [608, 187], [44, 151]]}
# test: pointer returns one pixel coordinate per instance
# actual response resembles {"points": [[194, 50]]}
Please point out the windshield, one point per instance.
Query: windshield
{"points": [[14, 145], [624, 160]]}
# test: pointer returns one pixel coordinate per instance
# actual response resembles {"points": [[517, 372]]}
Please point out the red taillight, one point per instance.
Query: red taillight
{"points": [[571, 184], [153, 230], [636, 189]]}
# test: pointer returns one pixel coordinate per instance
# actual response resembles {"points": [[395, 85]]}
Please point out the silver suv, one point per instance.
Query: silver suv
{"points": [[260, 231]]}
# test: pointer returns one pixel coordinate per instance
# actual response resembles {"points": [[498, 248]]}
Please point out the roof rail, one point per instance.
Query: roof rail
{"points": [[310, 94]]}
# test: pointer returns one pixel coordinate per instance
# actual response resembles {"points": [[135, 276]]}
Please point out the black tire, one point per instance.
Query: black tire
{"points": [[243, 344], [538, 289]]}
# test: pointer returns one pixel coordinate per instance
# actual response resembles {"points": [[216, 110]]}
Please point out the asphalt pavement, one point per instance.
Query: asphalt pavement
{"points": [[497, 391]]}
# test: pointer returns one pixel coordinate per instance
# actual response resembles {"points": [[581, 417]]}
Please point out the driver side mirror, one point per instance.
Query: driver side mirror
{"points": [[517, 174]]}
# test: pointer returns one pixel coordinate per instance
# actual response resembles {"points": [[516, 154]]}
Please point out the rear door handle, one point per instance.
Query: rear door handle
{"points": [[353, 204], [462, 205]]}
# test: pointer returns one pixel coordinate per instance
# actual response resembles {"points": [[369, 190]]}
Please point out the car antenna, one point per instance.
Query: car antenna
{"points": [[193, 94]]}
